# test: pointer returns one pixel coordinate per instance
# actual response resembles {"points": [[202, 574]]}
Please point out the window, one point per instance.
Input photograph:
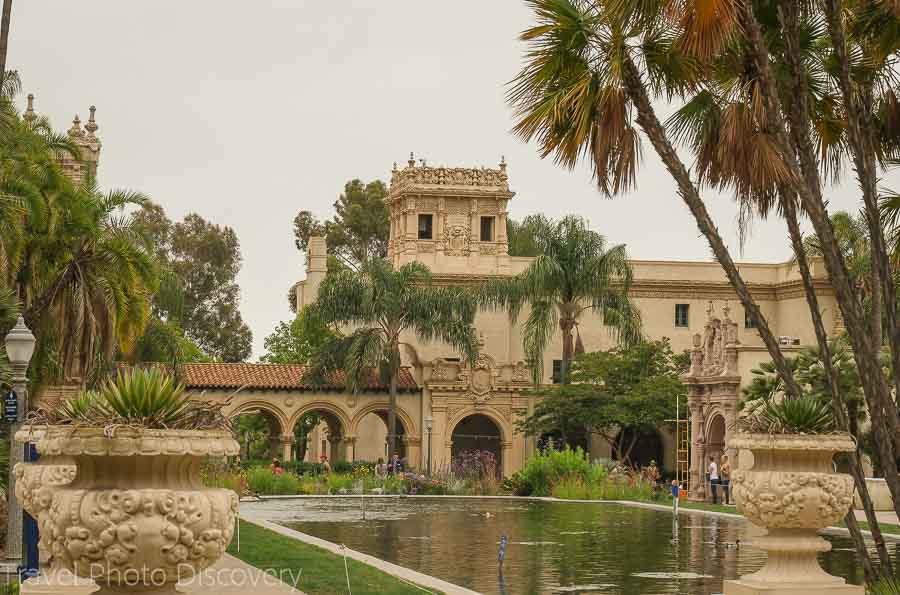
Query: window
{"points": [[557, 371], [748, 320], [487, 229], [425, 227], [682, 315]]}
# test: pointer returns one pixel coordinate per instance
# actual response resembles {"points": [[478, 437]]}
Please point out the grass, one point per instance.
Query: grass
{"points": [[886, 528], [322, 572]]}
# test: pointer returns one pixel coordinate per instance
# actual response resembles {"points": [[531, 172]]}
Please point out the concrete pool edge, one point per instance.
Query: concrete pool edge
{"points": [[401, 572], [632, 503]]}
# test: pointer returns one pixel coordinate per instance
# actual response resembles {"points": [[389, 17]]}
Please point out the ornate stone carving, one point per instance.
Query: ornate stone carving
{"points": [[450, 176], [152, 521], [457, 239], [792, 491], [487, 249], [521, 373], [425, 247]]}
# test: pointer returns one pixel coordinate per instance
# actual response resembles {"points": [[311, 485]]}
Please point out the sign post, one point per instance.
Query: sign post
{"points": [[11, 407]]}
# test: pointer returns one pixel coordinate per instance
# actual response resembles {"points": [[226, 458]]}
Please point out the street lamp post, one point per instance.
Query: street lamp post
{"points": [[19, 349], [428, 424]]}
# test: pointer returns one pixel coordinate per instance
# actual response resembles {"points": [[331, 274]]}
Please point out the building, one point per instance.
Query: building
{"points": [[454, 221]]}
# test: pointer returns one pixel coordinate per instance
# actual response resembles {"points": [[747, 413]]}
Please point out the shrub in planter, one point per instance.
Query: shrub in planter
{"points": [[137, 510]]}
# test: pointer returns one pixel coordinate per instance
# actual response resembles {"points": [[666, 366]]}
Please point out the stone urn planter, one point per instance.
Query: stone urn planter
{"points": [[792, 490], [136, 517], [35, 485]]}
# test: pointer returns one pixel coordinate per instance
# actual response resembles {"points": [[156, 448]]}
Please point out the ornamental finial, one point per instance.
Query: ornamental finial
{"points": [[75, 130], [502, 162], [91, 126], [29, 115], [412, 160]]}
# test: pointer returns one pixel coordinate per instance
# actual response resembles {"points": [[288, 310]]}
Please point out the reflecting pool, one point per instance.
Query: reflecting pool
{"points": [[554, 547]]}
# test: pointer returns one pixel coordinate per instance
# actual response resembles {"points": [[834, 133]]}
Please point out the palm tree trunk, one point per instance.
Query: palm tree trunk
{"points": [[4, 37], [789, 208], [392, 415], [858, 106], [655, 131], [806, 184], [566, 325]]}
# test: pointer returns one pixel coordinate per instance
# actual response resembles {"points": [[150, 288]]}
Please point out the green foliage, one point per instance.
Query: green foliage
{"points": [[886, 586], [165, 341], [382, 304], [765, 407], [543, 471], [199, 293], [137, 397], [359, 229], [632, 387], [296, 341], [575, 271], [522, 236], [144, 397], [803, 415]]}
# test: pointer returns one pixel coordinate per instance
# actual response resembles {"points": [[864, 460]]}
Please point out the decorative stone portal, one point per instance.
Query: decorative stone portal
{"points": [[712, 381], [478, 432]]}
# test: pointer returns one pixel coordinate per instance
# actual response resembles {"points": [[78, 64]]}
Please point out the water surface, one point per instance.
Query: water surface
{"points": [[554, 547]]}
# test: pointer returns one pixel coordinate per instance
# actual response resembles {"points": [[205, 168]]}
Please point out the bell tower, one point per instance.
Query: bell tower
{"points": [[84, 168], [451, 219]]}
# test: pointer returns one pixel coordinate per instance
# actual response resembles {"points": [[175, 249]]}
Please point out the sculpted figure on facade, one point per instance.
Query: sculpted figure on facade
{"points": [[456, 240]]}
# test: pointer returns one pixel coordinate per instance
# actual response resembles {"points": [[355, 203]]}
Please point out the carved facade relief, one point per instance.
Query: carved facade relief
{"points": [[457, 240]]}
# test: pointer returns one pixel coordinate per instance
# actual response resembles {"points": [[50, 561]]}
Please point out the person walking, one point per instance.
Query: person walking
{"points": [[725, 472], [714, 479]]}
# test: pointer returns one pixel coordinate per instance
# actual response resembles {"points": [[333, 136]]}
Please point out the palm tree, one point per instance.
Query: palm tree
{"points": [[4, 36], [581, 94], [575, 271], [381, 305], [95, 296], [779, 121]]}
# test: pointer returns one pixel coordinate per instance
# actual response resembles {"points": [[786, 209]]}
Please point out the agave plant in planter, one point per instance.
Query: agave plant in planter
{"points": [[136, 517], [793, 491]]}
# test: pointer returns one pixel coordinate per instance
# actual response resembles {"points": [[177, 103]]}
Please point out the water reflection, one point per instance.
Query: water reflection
{"points": [[554, 547]]}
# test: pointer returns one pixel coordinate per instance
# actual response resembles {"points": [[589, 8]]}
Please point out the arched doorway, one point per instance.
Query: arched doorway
{"points": [[259, 433], [478, 433], [319, 434], [637, 448], [372, 437], [715, 441]]}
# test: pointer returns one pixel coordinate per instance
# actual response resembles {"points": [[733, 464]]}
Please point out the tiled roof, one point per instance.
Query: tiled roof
{"points": [[275, 377]]}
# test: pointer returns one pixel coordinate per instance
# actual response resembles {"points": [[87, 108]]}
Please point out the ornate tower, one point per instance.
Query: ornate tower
{"points": [[83, 168], [451, 219]]}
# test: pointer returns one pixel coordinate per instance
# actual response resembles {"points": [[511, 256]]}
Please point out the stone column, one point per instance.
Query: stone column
{"points": [[413, 446], [287, 444], [506, 457], [698, 452], [350, 447]]}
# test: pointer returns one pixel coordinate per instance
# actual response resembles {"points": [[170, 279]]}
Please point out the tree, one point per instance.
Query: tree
{"points": [[587, 89], [381, 305], [521, 236], [630, 387], [94, 295], [574, 271], [198, 290], [359, 229], [4, 36], [295, 342]]}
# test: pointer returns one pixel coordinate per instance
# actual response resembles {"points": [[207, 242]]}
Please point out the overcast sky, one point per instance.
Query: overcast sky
{"points": [[246, 112]]}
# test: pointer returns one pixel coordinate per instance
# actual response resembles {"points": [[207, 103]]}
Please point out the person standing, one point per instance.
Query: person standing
{"points": [[676, 492], [714, 479], [725, 472]]}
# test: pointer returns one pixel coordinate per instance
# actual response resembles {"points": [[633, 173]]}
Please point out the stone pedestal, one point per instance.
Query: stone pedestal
{"points": [[58, 584], [792, 491]]}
